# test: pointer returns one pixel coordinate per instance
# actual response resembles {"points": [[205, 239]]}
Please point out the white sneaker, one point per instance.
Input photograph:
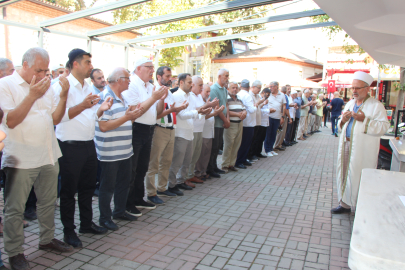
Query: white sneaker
{"points": [[274, 153], [269, 154]]}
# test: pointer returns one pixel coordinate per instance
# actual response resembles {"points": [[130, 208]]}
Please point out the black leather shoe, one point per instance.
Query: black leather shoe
{"points": [[261, 156], [240, 166], [280, 148], [219, 171], [214, 174], [126, 217], [30, 214], [94, 229], [72, 239], [109, 225], [340, 210], [247, 163], [183, 186]]}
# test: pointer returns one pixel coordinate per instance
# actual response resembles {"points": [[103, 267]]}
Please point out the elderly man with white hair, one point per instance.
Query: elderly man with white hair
{"points": [[141, 91], [114, 149], [6, 67], [219, 91], [30, 156], [362, 124], [302, 127]]}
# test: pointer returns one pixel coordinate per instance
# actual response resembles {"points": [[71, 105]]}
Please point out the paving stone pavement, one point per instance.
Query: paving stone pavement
{"points": [[273, 215]]}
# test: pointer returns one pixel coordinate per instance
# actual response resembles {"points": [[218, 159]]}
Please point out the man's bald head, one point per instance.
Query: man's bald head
{"points": [[206, 91], [197, 85]]}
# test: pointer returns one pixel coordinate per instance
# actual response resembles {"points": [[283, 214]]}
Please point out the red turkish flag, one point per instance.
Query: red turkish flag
{"points": [[331, 86]]}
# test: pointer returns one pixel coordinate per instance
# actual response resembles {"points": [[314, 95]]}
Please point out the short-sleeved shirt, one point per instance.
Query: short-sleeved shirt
{"points": [[198, 102], [276, 102], [235, 106], [336, 104], [304, 111], [319, 111], [265, 111], [221, 94], [32, 143], [248, 103], [116, 144], [327, 100], [298, 100], [208, 131]]}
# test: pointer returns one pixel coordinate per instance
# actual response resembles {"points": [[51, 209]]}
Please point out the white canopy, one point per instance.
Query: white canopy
{"points": [[376, 25]]}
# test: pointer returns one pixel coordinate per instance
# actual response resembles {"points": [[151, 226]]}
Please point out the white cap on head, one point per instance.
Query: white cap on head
{"points": [[362, 76], [293, 92], [56, 67], [141, 61]]}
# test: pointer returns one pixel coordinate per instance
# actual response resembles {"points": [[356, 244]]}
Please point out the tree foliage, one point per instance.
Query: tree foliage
{"points": [[73, 5]]}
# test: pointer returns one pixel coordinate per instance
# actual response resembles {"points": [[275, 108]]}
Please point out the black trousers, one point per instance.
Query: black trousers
{"points": [[296, 123], [78, 171], [216, 144], [141, 142], [259, 136], [245, 145], [288, 133]]}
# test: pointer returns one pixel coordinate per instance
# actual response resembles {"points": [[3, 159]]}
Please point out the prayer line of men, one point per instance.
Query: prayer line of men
{"points": [[129, 129]]}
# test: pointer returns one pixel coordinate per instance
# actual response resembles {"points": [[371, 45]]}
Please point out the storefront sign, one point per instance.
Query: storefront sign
{"points": [[387, 74]]}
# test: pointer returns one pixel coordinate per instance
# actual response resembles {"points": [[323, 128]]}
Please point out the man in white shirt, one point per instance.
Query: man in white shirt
{"points": [[249, 124], [78, 165], [98, 80], [183, 142], [195, 95], [30, 156], [141, 91], [57, 71], [161, 153], [292, 106], [277, 102], [253, 156]]}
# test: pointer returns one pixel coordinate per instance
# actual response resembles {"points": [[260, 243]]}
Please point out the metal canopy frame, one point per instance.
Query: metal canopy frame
{"points": [[9, 2], [253, 33], [269, 19], [183, 15], [91, 11]]}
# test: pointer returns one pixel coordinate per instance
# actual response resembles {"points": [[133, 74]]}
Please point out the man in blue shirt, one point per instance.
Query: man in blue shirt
{"points": [[98, 80], [337, 105]]}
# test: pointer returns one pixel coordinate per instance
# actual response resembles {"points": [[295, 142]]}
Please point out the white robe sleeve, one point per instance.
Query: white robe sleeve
{"points": [[377, 125]]}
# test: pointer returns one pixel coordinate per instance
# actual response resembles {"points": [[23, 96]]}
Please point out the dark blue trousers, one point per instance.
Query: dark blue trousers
{"points": [[243, 151], [271, 134]]}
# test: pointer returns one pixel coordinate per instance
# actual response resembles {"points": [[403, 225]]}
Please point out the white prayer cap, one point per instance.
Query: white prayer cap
{"points": [[362, 76], [56, 67], [293, 92], [141, 61]]}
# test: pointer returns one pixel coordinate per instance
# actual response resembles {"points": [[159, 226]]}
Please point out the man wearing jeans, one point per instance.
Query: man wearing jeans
{"points": [[30, 156], [336, 110], [276, 102], [114, 149], [219, 91], [141, 91]]}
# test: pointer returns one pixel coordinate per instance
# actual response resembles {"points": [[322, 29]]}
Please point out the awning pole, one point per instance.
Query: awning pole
{"points": [[378, 84]]}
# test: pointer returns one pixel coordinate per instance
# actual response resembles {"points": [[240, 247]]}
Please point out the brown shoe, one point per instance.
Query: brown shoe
{"points": [[188, 183], [19, 262], [232, 168], [195, 180], [225, 169], [57, 245]]}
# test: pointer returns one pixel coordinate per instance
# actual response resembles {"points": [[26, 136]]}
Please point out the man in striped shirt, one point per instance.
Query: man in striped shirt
{"points": [[233, 135], [113, 140]]}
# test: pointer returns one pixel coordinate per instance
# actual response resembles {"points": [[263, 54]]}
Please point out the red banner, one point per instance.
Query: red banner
{"points": [[331, 86]]}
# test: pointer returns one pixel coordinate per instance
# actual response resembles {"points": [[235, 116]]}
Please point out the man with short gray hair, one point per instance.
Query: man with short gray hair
{"points": [[6, 67], [30, 157]]}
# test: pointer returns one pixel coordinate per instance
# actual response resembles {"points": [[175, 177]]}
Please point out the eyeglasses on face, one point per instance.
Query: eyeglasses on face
{"points": [[357, 88], [150, 67], [129, 79]]}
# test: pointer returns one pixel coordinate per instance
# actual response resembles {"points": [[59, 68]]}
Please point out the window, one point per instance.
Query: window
{"points": [[197, 68]]}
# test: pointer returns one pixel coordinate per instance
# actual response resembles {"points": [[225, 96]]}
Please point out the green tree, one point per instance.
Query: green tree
{"points": [[73, 5], [172, 56]]}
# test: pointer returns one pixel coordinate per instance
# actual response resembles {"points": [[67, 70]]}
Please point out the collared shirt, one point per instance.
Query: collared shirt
{"points": [[349, 126], [138, 92], [287, 106], [276, 102], [55, 80], [116, 144], [96, 90], [291, 109], [235, 106], [265, 111], [170, 119], [304, 111], [256, 99], [198, 102], [221, 94], [319, 111], [250, 120], [208, 131], [185, 127], [32, 143], [298, 100], [80, 128]]}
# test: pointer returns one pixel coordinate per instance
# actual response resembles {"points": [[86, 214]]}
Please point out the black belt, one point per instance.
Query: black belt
{"points": [[235, 121], [144, 126], [164, 127], [79, 142]]}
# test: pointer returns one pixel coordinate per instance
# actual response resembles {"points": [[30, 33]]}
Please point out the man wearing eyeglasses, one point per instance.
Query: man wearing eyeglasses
{"points": [[362, 124], [141, 91]]}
